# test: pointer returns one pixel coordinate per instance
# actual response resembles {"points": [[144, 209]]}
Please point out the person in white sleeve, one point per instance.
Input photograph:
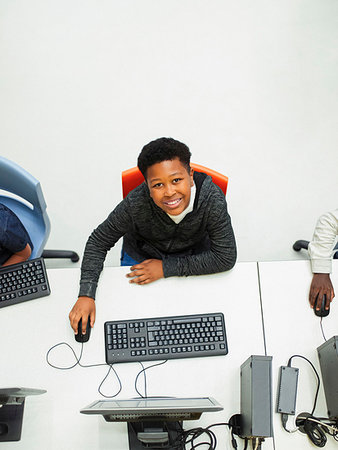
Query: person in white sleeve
{"points": [[321, 250]]}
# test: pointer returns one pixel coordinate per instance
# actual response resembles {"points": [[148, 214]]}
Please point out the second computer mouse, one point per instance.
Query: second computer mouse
{"points": [[79, 337], [322, 312]]}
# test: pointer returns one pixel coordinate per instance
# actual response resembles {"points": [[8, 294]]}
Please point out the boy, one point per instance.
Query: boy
{"points": [[15, 244], [174, 224], [321, 251]]}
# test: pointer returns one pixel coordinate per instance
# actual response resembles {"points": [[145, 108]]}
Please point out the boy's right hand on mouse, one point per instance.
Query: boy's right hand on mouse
{"points": [[84, 307], [321, 284]]}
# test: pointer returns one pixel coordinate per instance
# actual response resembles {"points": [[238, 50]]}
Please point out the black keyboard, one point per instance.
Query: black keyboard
{"points": [[23, 281], [165, 338]]}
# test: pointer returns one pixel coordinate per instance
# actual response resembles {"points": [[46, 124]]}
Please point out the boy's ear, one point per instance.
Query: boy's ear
{"points": [[191, 176]]}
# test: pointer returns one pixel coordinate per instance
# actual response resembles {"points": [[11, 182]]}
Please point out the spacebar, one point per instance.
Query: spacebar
{"points": [[187, 320]]}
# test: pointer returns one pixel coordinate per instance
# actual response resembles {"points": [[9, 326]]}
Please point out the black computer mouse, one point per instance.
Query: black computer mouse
{"points": [[79, 337], [322, 312]]}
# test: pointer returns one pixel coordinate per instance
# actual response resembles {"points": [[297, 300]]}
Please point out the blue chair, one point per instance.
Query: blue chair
{"points": [[22, 193]]}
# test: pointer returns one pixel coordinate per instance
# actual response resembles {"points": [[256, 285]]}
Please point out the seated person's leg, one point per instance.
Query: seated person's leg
{"points": [[127, 260]]}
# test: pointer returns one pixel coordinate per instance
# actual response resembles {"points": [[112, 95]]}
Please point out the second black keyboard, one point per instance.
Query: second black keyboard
{"points": [[165, 338], [23, 281]]}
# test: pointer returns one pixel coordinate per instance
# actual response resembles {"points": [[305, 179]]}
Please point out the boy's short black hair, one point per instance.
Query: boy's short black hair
{"points": [[163, 149]]}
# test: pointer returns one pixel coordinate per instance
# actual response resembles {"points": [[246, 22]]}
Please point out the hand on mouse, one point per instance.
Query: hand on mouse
{"points": [[84, 307], [321, 284], [146, 272]]}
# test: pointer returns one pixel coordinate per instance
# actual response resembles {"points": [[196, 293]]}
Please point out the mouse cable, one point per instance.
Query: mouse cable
{"points": [[321, 327], [78, 363], [317, 376], [145, 381], [145, 377]]}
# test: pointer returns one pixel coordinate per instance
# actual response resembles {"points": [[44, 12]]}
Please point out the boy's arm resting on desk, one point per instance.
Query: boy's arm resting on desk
{"points": [[221, 256]]}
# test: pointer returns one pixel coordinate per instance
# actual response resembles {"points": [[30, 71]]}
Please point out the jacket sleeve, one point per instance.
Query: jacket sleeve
{"points": [[222, 253], [323, 242], [102, 239]]}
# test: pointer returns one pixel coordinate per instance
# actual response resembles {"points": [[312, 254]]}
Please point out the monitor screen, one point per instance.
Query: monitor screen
{"points": [[150, 408]]}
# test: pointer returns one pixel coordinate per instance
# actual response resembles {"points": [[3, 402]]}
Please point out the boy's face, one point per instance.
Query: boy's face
{"points": [[170, 184]]}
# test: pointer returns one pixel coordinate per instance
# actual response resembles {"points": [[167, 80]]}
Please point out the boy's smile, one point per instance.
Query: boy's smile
{"points": [[170, 184]]}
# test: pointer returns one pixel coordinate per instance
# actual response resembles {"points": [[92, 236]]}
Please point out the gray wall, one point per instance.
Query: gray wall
{"points": [[250, 87]]}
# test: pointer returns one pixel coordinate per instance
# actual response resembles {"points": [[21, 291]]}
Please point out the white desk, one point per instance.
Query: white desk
{"points": [[291, 328], [53, 420]]}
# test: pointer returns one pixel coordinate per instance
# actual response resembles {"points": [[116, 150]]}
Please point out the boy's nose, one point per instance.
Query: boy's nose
{"points": [[169, 190]]}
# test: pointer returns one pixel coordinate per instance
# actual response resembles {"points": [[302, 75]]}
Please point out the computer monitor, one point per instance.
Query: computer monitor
{"points": [[152, 421], [12, 402]]}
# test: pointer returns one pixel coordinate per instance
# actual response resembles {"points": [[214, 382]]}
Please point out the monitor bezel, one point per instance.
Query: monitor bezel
{"points": [[151, 409]]}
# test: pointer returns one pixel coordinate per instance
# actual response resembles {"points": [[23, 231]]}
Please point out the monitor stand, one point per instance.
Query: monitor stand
{"points": [[11, 421], [12, 403], [153, 435]]}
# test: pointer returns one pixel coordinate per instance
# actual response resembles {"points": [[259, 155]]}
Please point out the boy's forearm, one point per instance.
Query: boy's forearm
{"points": [[91, 267], [102, 239], [323, 241], [202, 264]]}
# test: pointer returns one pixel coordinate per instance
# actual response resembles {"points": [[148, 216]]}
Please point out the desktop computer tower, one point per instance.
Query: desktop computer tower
{"points": [[328, 360], [256, 397]]}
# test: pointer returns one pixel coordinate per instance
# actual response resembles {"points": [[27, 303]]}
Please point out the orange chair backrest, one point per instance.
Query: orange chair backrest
{"points": [[131, 178]]}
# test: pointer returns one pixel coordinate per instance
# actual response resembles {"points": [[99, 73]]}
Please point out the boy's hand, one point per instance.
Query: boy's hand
{"points": [[321, 284], [84, 307], [146, 272]]}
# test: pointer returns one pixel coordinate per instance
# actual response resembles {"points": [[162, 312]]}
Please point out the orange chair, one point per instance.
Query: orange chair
{"points": [[131, 178]]}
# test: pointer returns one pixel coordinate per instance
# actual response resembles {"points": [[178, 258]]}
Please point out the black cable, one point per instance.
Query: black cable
{"points": [[189, 437], [145, 382], [318, 379], [285, 418], [143, 371], [321, 327], [78, 363], [77, 359], [315, 428], [261, 305], [104, 379]]}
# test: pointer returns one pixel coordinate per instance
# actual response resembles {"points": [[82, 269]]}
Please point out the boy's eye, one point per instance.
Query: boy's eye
{"points": [[157, 185], [176, 180]]}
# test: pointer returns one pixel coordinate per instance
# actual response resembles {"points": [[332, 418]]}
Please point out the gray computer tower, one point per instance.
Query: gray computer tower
{"points": [[328, 360], [256, 397]]}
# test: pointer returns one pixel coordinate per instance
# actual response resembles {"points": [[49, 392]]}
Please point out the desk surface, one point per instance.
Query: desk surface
{"points": [[291, 327], [53, 420]]}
